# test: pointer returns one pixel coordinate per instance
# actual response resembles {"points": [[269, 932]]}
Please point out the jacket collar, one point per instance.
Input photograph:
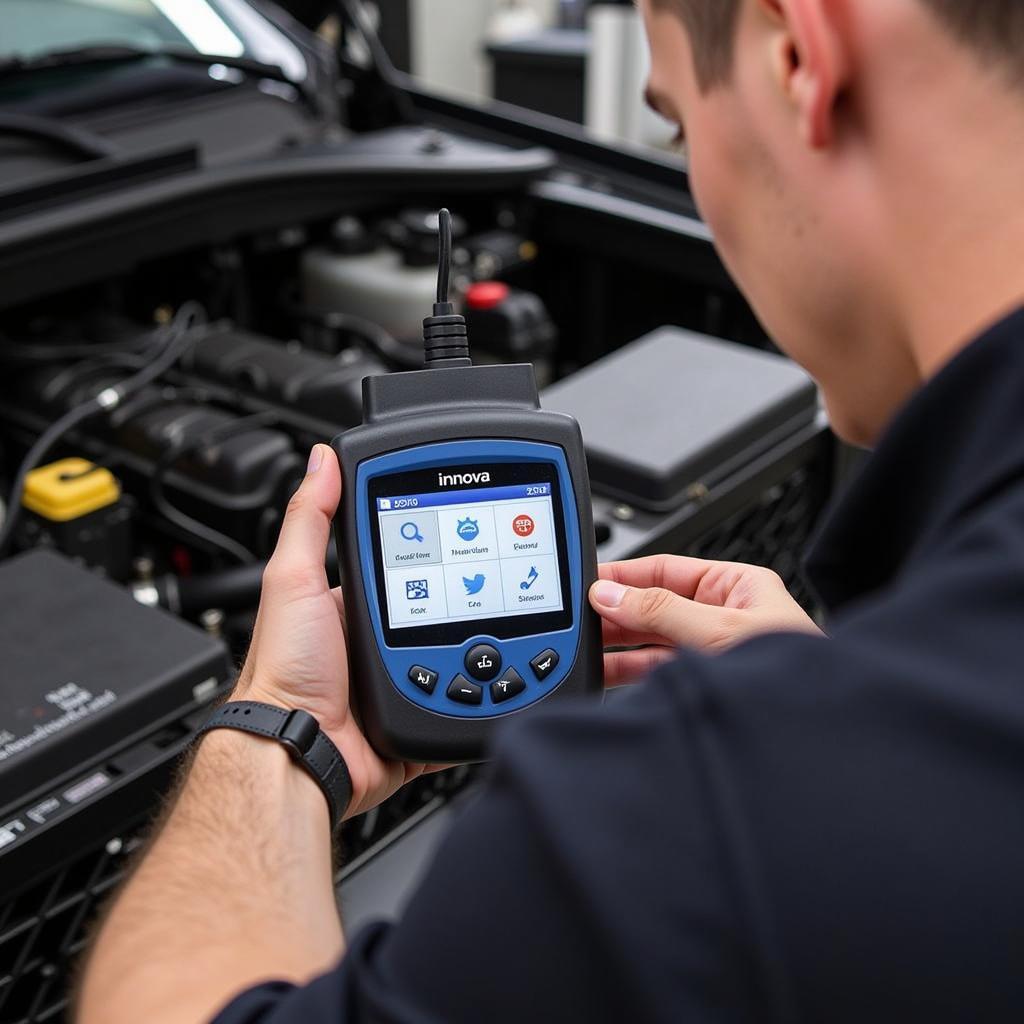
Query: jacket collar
{"points": [[957, 443]]}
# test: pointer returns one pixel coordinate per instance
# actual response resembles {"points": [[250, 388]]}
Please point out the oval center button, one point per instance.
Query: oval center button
{"points": [[483, 662]]}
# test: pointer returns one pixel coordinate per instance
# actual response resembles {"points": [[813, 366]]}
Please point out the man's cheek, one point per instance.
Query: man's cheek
{"points": [[718, 204], [698, 181]]}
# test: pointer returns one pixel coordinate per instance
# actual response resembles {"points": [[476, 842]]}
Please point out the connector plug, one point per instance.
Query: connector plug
{"points": [[445, 339]]}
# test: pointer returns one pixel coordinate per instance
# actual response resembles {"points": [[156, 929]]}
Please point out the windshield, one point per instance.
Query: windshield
{"points": [[227, 28]]}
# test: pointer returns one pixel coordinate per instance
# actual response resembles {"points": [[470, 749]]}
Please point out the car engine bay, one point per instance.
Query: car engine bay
{"points": [[256, 252]]}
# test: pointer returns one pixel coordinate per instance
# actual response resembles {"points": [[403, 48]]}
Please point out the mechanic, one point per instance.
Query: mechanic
{"points": [[773, 825]]}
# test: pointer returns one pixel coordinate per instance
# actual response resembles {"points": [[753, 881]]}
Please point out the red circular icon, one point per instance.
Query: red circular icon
{"points": [[523, 525]]}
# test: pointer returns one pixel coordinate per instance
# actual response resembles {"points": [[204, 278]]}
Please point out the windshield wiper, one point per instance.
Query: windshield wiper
{"points": [[14, 67]]}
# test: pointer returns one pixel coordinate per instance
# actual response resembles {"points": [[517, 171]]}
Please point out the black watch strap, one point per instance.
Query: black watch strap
{"points": [[300, 732]]}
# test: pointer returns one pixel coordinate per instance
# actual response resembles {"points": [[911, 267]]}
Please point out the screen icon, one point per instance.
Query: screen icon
{"points": [[468, 529], [523, 526], [417, 590], [384, 504], [530, 579], [410, 531], [474, 585]]}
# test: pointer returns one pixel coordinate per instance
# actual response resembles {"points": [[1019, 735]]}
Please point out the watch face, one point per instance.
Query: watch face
{"points": [[461, 551]]}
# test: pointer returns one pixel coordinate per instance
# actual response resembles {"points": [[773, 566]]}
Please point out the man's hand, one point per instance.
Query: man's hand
{"points": [[667, 601], [298, 656], [237, 885]]}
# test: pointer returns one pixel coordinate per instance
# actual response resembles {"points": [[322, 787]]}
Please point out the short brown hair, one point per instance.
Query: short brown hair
{"points": [[994, 28]]}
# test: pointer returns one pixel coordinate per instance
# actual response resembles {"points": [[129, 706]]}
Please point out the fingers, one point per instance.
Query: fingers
{"points": [[671, 572], [614, 635], [622, 667], [658, 612], [677, 573], [298, 560], [725, 584]]}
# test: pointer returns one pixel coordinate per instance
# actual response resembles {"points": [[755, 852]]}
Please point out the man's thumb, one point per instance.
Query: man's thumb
{"points": [[302, 543], [657, 612]]}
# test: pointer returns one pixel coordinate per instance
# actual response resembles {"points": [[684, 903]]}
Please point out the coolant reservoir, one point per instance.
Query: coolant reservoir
{"points": [[387, 285]]}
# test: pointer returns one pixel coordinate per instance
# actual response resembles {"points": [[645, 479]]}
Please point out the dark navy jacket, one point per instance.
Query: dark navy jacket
{"points": [[800, 830]]}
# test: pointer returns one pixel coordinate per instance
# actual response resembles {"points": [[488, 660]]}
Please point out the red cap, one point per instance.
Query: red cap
{"points": [[486, 294]]}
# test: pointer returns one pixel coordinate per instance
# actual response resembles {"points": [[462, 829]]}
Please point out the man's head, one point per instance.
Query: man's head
{"points": [[993, 27], [836, 147]]}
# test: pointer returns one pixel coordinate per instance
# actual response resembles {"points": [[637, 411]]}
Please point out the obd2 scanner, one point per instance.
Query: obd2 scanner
{"points": [[467, 549]]}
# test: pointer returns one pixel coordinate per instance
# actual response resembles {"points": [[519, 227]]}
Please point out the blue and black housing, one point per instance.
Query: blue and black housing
{"points": [[461, 419]]}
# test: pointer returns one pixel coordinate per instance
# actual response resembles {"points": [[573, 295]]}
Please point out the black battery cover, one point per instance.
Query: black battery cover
{"points": [[84, 666], [674, 409]]}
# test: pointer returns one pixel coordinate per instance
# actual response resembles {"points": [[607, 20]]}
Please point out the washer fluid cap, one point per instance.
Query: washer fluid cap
{"points": [[69, 488]]}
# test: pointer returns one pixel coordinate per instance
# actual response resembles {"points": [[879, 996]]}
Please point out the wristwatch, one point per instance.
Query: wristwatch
{"points": [[301, 734]]}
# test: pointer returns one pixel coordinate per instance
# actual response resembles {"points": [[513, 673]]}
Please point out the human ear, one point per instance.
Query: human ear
{"points": [[810, 62]]}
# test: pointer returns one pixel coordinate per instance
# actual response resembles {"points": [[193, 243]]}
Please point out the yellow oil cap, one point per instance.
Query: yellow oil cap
{"points": [[69, 488]]}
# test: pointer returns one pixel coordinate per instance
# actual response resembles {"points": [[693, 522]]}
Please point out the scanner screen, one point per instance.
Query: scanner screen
{"points": [[470, 548]]}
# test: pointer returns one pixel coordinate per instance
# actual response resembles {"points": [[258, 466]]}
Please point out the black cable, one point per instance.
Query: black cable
{"points": [[379, 341], [444, 254], [445, 340], [103, 364], [183, 520], [230, 590], [189, 316], [106, 401], [15, 351]]}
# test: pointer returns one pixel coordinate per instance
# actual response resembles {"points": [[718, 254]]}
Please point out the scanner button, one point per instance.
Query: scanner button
{"points": [[465, 692], [424, 678], [483, 662], [544, 664], [508, 686]]}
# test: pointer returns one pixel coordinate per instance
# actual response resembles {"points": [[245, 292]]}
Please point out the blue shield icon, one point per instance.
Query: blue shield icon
{"points": [[468, 529]]}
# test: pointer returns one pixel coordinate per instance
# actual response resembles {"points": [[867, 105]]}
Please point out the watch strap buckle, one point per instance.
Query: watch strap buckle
{"points": [[299, 731], [300, 734]]}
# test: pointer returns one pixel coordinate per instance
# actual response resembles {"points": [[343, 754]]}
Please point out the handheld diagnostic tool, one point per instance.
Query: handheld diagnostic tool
{"points": [[467, 549]]}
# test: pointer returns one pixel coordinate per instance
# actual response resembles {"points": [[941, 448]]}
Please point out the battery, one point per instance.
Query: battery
{"points": [[85, 666], [676, 411]]}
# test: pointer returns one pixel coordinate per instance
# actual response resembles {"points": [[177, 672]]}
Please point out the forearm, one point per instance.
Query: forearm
{"points": [[236, 889]]}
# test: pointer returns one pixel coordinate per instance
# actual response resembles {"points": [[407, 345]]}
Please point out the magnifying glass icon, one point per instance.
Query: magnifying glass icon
{"points": [[410, 531]]}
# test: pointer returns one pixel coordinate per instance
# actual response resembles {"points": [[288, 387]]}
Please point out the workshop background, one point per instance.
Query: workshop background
{"points": [[216, 218]]}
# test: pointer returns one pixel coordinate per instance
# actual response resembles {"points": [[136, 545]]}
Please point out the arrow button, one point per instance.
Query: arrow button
{"points": [[424, 678], [463, 691], [544, 664], [508, 686]]}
